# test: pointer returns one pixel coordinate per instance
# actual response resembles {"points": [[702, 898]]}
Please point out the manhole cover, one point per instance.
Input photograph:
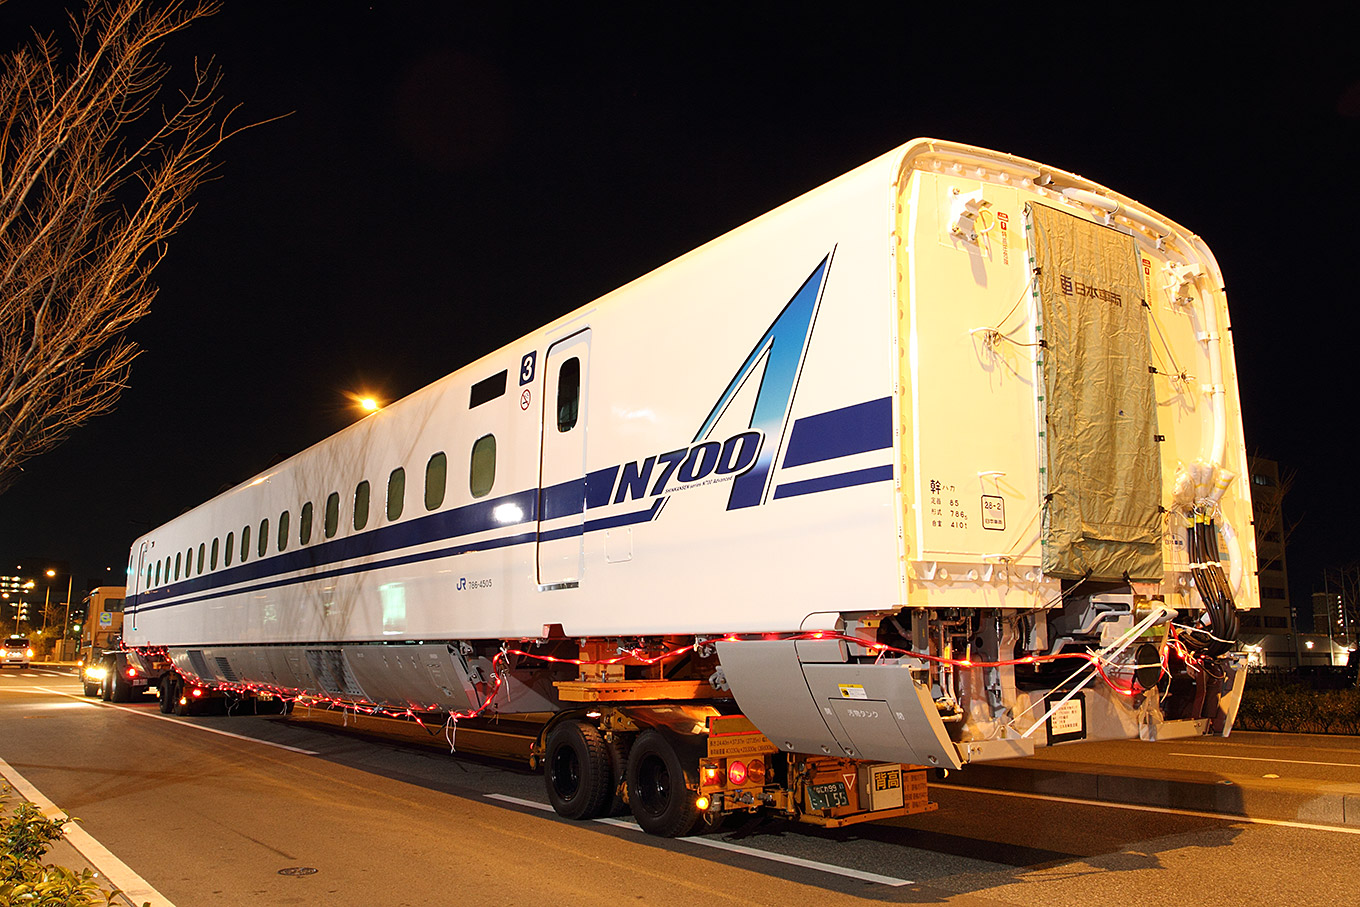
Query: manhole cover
{"points": [[297, 871]]}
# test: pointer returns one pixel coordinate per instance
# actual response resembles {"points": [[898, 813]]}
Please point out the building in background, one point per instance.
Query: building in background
{"points": [[33, 594], [17, 601], [1333, 630], [1268, 634]]}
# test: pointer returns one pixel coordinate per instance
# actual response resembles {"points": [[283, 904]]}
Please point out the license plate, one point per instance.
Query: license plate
{"points": [[828, 796], [139, 682]]}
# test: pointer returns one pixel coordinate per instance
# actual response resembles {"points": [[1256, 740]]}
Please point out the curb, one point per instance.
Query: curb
{"points": [[77, 849], [1319, 803]]}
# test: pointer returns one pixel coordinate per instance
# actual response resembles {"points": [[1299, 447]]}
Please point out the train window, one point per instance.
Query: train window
{"points": [[226, 555], [332, 514], [264, 538], [179, 559], [283, 530], [361, 505], [436, 477], [212, 560], [158, 573], [245, 543], [396, 493], [148, 576], [483, 470], [189, 562], [568, 394], [305, 524], [486, 390], [202, 550]]}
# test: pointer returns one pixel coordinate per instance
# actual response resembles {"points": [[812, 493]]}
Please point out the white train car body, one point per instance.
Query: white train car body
{"points": [[837, 418]]}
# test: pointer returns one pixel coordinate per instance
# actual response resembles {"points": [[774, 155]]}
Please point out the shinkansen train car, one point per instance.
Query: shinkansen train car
{"points": [[937, 463]]}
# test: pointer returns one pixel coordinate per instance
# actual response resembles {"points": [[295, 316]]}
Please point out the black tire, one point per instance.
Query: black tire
{"points": [[119, 690], [169, 693], [659, 787], [576, 771], [105, 687]]}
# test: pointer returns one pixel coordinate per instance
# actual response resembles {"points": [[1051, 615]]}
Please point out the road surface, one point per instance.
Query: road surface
{"points": [[252, 810]]}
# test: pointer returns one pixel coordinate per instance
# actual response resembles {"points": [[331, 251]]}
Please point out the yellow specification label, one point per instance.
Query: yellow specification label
{"points": [[853, 691], [740, 745]]}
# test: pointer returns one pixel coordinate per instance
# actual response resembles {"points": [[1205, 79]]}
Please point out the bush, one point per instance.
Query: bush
{"points": [[1299, 710], [25, 835]]}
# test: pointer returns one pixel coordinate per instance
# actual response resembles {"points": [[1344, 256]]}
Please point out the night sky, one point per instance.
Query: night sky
{"points": [[453, 175]]}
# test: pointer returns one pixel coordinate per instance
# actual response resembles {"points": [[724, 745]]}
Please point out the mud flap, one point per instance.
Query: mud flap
{"points": [[826, 707]]}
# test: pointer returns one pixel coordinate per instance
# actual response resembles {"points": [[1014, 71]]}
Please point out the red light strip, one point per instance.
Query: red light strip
{"points": [[639, 656]]}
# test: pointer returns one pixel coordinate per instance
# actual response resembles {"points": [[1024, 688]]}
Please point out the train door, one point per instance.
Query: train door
{"points": [[137, 587], [561, 501]]}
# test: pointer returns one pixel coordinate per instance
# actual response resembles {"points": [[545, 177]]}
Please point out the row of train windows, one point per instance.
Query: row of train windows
{"points": [[481, 477]]}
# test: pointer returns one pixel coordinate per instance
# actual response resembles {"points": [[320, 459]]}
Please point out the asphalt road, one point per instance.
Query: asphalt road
{"points": [[215, 811]]}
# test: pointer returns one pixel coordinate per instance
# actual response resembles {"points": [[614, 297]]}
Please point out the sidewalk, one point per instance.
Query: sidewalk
{"points": [[65, 854], [1229, 783]]}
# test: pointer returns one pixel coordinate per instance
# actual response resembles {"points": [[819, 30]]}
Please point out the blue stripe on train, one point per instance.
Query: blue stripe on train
{"points": [[840, 433]]}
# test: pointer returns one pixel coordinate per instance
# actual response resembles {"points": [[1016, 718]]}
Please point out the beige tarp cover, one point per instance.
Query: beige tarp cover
{"points": [[1103, 474]]}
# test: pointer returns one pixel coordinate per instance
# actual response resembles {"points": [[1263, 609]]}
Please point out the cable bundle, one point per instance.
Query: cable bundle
{"points": [[1220, 634]]}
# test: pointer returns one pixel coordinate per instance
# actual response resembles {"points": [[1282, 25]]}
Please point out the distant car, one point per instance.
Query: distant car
{"points": [[16, 651]]}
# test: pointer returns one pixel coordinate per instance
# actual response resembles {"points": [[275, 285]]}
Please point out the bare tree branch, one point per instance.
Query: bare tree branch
{"points": [[96, 173]]}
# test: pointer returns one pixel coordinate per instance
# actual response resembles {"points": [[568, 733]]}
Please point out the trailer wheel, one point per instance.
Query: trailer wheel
{"points": [[576, 770], [658, 793], [169, 690], [119, 689]]}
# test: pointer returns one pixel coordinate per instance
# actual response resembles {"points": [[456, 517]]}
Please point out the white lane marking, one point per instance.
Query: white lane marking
{"points": [[1265, 759], [1194, 813], [734, 848], [197, 727], [135, 888]]}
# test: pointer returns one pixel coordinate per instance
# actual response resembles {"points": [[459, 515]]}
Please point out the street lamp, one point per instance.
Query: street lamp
{"points": [[67, 622], [365, 402]]}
